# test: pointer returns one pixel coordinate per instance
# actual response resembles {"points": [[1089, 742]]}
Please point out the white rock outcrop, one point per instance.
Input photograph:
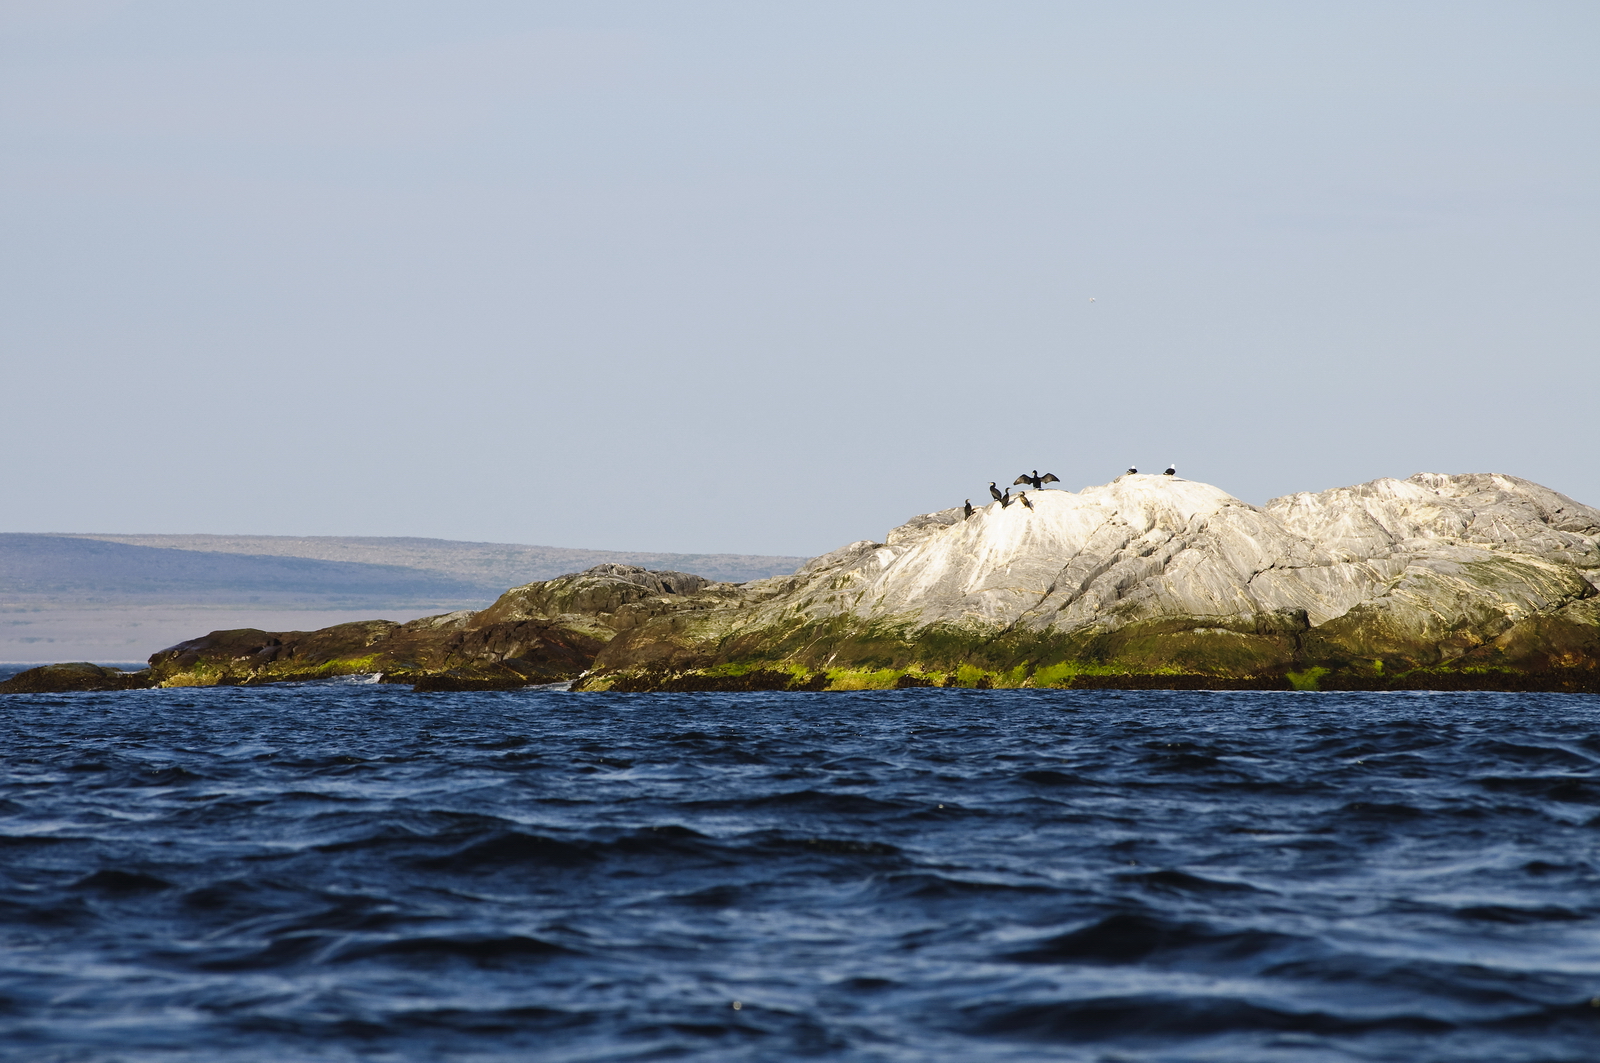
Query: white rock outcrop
{"points": [[1429, 555]]}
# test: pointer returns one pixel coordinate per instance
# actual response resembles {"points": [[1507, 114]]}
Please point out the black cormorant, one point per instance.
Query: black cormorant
{"points": [[967, 510], [1006, 499], [1172, 470], [995, 491], [1036, 481], [1022, 496]]}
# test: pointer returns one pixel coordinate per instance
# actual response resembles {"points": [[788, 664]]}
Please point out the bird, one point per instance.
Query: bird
{"points": [[1006, 499], [1036, 481], [1172, 470], [1131, 471], [1091, 298], [1022, 496], [967, 510], [995, 491]]}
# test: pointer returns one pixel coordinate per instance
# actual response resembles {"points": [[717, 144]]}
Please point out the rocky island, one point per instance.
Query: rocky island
{"points": [[1477, 581]]}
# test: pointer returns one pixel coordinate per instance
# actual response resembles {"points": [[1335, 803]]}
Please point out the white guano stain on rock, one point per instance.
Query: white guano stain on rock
{"points": [[1434, 550]]}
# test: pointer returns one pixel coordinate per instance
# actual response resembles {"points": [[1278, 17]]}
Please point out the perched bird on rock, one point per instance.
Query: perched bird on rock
{"points": [[1172, 470], [1022, 496], [967, 510], [1036, 481], [995, 491], [1006, 499], [1131, 471]]}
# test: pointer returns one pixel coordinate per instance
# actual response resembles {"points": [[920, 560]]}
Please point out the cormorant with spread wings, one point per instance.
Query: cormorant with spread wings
{"points": [[1036, 481]]}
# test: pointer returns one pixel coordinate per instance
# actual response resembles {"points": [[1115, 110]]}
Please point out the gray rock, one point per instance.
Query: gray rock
{"points": [[1429, 568]]}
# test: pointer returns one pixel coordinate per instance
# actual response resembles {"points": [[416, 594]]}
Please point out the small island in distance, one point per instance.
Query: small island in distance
{"points": [[1474, 581]]}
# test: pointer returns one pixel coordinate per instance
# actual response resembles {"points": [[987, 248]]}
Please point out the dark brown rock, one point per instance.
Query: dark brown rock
{"points": [[699, 682], [76, 676]]}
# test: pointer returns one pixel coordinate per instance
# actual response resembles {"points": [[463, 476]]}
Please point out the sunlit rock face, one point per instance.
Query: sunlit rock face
{"points": [[1142, 546], [1464, 559], [1447, 561], [1147, 546], [1477, 511]]}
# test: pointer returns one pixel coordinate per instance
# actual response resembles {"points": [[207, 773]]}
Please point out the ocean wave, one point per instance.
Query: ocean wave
{"points": [[332, 871]]}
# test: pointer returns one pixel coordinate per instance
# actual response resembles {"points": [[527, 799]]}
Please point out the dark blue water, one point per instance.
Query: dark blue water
{"points": [[350, 872]]}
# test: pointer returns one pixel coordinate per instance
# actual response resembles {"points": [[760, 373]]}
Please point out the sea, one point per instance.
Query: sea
{"points": [[353, 871]]}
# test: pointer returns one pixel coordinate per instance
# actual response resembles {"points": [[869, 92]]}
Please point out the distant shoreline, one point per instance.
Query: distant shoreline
{"points": [[112, 596]]}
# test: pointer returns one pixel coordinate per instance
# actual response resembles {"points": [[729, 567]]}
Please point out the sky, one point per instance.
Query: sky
{"points": [[770, 278]]}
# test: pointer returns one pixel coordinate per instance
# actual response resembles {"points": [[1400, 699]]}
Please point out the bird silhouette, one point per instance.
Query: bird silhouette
{"points": [[967, 510], [1131, 471], [995, 491], [1022, 496], [1006, 499], [1036, 481], [1172, 470]]}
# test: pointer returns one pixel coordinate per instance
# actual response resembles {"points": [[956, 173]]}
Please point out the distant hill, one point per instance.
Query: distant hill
{"points": [[490, 567], [117, 598], [78, 569]]}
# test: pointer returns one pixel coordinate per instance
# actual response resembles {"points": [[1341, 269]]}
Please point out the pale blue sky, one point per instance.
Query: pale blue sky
{"points": [[770, 277]]}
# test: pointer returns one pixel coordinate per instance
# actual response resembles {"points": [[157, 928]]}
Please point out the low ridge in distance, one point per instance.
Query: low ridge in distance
{"points": [[115, 598]]}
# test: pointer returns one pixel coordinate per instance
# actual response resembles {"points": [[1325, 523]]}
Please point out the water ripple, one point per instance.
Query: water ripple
{"points": [[353, 871]]}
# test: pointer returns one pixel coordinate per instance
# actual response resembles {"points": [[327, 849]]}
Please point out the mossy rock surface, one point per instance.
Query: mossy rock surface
{"points": [[499, 656], [1093, 677]]}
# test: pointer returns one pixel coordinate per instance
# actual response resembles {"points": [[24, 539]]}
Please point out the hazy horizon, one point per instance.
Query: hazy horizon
{"points": [[109, 597], [722, 278], [979, 498]]}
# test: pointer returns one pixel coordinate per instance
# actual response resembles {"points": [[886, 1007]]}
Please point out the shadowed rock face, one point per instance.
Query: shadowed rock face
{"points": [[474, 655], [74, 676], [542, 632], [1150, 578]]}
